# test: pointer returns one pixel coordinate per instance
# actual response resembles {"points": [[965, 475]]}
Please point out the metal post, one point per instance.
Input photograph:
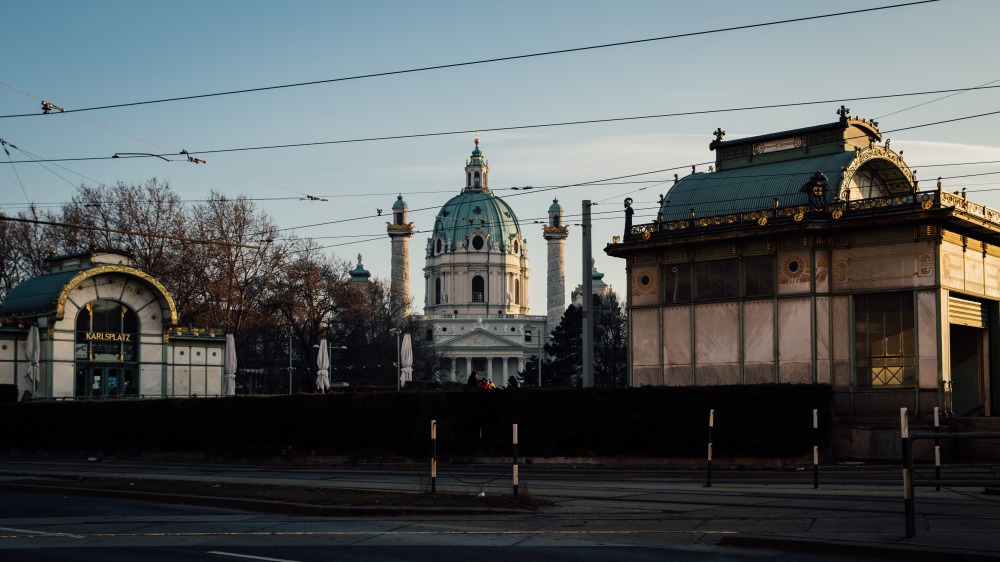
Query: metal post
{"points": [[397, 331], [515, 460], [815, 449], [588, 300], [937, 449], [711, 424], [908, 508], [289, 362], [434, 456], [540, 358]]}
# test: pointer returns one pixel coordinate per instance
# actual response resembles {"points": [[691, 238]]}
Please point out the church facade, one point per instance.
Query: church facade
{"points": [[476, 307], [814, 256]]}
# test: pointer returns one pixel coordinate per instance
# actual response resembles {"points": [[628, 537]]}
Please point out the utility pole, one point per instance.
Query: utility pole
{"points": [[588, 300]]}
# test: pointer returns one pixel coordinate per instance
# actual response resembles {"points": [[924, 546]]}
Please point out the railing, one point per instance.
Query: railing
{"points": [[484, 317], [796, 213]]}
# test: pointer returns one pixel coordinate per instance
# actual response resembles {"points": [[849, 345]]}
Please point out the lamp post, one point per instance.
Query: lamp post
{"points": [[289, 361], [397, 331], [529, 328]]}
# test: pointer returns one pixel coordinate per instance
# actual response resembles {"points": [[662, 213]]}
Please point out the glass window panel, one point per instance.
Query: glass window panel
{"points": [[884, 335], [759, 276], [677, 283]]}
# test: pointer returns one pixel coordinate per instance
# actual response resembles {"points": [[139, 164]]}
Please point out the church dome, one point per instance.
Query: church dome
{"points": [[476, 219], [483, 215]]}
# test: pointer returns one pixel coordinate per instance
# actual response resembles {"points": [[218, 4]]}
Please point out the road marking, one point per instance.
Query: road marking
{"points": [[33, 533], [249, 557], [366, 533]]}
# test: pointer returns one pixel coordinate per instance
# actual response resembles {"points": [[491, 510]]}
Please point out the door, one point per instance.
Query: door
{"points": [[967, 371], [99, 382]]}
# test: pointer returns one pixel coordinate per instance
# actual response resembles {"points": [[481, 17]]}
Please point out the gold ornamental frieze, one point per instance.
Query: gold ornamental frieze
{"points": [[876, 152], [95, 271], [399, 227]]}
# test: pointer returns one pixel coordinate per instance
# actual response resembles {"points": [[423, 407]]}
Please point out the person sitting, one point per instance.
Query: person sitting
{"points": [[512, 382], [473, 380]]}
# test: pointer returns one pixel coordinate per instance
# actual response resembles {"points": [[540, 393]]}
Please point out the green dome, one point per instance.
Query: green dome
{"points": [[399, 205], [555, 208], [473, 211]]}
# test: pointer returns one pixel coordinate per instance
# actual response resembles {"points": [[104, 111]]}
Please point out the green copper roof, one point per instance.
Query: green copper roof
{"points": [[36, 296], [752, 188], [555, 207], [359, 274], [399, 204], [473, 211]]}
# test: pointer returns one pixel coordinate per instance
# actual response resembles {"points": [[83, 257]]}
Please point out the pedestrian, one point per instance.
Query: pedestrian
{"points": [[512, 382], [473, 380]]}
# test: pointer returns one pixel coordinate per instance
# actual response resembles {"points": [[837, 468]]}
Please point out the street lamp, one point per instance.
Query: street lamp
{"points": [[527, 328], [289, 362], [397, 331]]}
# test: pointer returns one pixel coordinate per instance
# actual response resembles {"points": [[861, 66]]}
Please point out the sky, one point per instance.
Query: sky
{"points": [[88, 54]]}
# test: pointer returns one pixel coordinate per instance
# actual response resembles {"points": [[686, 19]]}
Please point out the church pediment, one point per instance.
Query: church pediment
{"points": [[481, 338]]}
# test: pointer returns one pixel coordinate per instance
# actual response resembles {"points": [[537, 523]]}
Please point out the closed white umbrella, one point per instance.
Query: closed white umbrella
{"points": [[406, 360], [229, 386], [323, 363], [32, 347]]}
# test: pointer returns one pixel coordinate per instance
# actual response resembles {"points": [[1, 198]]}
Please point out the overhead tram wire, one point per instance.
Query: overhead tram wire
{"points": [[522, 127], [939, 99], [129, 232], [5, 144], [498, 59]]}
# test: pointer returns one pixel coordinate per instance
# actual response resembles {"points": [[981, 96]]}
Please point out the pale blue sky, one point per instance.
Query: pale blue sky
{"points": [[84, 54]]}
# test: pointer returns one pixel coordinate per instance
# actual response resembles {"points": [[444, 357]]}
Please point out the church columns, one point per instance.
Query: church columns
{"points": [[453, 373], [489, 368]]}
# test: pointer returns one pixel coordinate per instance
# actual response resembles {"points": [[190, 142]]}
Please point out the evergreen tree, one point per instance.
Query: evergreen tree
{"points": [[564, 363]]}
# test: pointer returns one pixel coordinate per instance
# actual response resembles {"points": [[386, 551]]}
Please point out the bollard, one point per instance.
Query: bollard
{"points": [[815, 449], [434, 456], [908, 508], [937, 450], [515, 460], [711, 424]]}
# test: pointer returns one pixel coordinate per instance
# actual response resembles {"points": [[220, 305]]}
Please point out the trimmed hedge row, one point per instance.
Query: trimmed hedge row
{"points": [[750, 420]]}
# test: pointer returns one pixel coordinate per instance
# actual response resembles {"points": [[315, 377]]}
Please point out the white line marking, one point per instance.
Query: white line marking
{"points": [[249, 557], [30, 532]]}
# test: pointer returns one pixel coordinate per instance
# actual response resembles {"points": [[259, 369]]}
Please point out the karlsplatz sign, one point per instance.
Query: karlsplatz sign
{"points": [[107, 336]]}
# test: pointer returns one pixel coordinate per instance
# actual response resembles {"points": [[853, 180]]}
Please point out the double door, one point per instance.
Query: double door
{"points": [[102, 382]]}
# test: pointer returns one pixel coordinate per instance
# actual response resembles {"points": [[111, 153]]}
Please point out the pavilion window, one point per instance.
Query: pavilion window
{"points": [[677, 283], [758, 276], [884, 339], [717, 280]]}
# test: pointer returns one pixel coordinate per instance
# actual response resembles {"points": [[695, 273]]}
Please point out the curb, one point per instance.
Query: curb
{"points": [[868, 550]]}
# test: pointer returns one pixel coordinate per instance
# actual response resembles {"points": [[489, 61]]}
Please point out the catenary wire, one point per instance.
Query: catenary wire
{"points": [[496, 59]]}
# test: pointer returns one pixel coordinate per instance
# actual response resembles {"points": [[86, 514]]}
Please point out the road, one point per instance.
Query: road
{"points": [[598, 515]]}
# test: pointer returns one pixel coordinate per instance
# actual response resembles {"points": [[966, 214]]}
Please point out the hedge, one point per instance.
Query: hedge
{"points": [[750, 420]]}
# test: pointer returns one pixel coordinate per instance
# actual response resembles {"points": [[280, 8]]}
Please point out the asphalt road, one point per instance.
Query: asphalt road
{"points": [[55, 528], [598, 514]]}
